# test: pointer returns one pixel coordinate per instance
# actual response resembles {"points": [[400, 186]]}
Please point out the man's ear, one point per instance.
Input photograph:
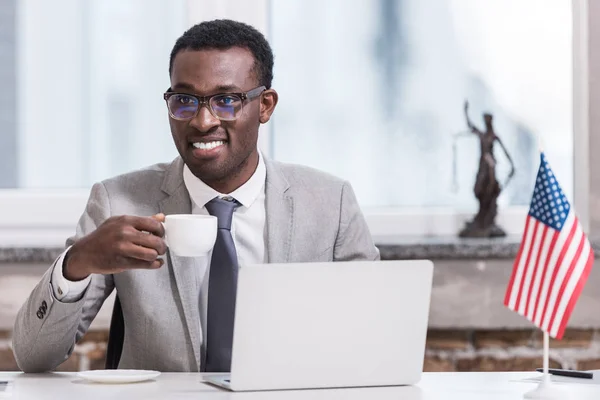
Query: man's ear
{"points": [[268, 101]]}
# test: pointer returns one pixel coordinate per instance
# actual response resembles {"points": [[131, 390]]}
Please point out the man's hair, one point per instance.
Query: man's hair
{"points": [[224, 34]]}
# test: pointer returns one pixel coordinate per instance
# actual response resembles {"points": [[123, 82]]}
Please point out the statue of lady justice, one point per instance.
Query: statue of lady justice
{"points": [[487, 189]]}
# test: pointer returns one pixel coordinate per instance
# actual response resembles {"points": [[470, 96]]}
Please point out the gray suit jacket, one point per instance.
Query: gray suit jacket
{"points": [[310, 216]]}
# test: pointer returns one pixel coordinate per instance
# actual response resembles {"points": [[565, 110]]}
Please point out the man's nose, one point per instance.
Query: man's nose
{"points": [[204, 120]]}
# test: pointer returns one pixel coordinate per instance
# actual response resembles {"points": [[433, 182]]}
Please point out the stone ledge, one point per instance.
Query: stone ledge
{"points": [[405, 248], [432, 248], [453, 248], [391, 248], [29, 254], [447, 248]]}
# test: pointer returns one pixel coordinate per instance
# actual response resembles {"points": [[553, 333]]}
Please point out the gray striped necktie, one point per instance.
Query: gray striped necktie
{"points": [[222, 286]]}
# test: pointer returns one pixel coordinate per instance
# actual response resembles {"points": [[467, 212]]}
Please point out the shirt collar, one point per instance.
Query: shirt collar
{"points": [[246, 194]]}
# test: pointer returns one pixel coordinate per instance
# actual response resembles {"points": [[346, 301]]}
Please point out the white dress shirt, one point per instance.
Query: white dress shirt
{"points": [[247, 229]]}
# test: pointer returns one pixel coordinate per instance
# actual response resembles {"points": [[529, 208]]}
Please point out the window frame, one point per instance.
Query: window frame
{"points": [[46, 218]]}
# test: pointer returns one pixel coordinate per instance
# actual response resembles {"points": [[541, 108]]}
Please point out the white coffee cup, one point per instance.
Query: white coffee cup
{"points": [[190, 235]]}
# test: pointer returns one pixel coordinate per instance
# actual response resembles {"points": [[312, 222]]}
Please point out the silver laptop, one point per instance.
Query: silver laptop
{"points": [[325, 325]]}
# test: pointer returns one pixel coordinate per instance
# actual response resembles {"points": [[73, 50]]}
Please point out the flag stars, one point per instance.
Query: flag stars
{"points": [[549, 204]]}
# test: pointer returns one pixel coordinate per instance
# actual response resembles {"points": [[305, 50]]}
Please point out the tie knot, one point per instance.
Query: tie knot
{"points": [[223, 210]]}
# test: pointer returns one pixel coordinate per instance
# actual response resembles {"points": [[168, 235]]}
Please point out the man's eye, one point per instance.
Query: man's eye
{"points": [[185, 100], [227, 100]]}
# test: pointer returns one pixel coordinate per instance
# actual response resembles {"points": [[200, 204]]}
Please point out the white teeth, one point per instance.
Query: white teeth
{"points": [[208, 145]]}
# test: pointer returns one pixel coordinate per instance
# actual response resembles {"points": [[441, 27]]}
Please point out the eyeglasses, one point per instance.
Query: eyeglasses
{"points": [[224, 106]]}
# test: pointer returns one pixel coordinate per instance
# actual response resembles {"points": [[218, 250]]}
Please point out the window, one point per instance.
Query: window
{"points": [[371, 91], [8, 123], [90, 79], [87, 104]]}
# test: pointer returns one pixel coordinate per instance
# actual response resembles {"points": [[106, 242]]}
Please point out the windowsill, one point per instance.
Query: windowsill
{"points": [[447, 248], [432, 247], [29, 254], [391, 248]]}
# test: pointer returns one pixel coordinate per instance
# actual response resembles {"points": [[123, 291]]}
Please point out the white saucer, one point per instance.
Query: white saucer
{"points": [[118, 375]]}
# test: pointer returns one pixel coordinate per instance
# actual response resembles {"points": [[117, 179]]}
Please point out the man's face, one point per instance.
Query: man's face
{"points": [[228, 155]]}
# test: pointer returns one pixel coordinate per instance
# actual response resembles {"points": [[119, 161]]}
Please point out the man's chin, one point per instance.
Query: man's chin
{"points": [[208, 174]]}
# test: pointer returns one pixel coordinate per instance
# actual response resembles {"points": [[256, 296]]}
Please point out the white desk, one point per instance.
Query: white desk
{"points": [[172, 386]]}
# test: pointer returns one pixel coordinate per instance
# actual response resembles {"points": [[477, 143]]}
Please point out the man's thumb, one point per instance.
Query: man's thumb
{"points": [[159, 217]]}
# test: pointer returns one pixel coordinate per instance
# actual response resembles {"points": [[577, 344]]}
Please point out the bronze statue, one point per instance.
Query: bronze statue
{"points": [[487, 188]]}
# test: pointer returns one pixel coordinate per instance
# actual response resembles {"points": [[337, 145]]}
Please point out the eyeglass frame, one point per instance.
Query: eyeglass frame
{"points": [[205, 101]]}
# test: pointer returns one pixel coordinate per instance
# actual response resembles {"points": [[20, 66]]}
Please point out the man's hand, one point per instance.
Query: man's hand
{"points": [[119, 244]]}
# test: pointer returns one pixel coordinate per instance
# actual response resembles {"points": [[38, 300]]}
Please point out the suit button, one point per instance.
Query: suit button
{"points": [[40, 314], [44, 306]]}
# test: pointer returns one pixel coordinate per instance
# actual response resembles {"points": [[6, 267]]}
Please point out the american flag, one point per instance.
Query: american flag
{"points": [[554, 259]]}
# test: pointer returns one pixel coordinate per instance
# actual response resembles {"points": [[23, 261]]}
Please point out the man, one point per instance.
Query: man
{"points": [[177, 316]]}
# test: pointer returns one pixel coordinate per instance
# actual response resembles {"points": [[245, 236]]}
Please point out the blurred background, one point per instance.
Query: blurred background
{"points": [[380, 82], [370, 90]]}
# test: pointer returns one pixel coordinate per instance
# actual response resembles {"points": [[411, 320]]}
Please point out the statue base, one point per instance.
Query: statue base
{"points": [[472, 230]]}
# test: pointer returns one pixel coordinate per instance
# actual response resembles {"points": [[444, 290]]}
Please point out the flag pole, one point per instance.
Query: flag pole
{"points": [[546, 357], [546, 389]]}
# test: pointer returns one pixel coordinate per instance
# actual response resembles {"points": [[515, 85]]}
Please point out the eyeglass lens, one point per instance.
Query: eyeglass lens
{"points": [[225, 106]]}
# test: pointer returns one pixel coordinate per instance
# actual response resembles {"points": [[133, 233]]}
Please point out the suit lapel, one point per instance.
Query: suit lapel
{"points": [[183, 269], [279, 215]]}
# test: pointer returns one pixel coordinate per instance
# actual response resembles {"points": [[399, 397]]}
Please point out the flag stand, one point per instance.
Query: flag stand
{"points": [[546, 389]]}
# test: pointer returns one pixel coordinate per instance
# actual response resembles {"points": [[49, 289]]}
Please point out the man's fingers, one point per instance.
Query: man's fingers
{"points": [[149, 241], [140, 253], [139, 264], [147, 224]]}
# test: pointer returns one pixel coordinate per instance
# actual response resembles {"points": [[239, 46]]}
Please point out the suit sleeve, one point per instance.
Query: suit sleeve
{"points": [[47, 329], [353, 241]]}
